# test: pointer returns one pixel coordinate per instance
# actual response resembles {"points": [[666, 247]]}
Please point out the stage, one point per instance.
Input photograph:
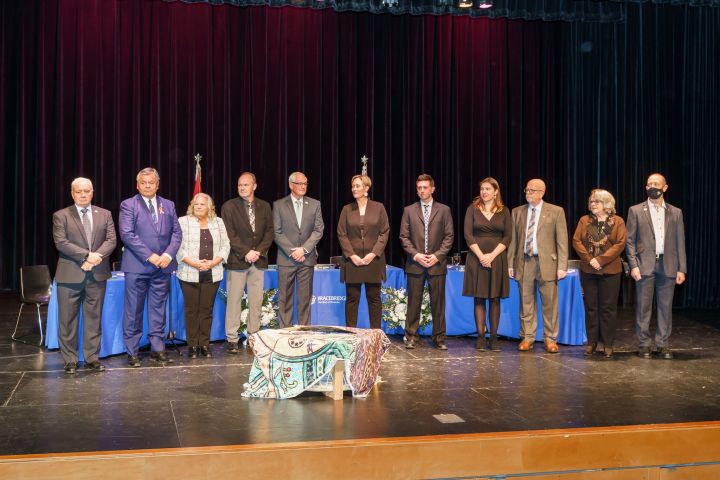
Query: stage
{"points": [[505, 409]]}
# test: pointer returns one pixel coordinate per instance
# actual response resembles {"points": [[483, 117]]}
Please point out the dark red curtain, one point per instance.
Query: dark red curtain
{"points": [[103, 88]]}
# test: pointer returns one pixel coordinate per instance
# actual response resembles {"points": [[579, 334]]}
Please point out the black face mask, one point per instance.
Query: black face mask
{"points": [[654, 193]]}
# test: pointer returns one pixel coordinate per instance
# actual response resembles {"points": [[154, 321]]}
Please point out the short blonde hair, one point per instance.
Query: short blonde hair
{"points": [[364, 179], [211, 206], [604, 197]]}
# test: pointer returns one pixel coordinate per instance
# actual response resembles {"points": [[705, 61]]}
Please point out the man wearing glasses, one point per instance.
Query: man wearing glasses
{"points": [[537, 259], [298, 229]]}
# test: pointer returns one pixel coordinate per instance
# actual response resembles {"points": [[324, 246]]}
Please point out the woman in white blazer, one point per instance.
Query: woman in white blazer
{"points": [[204, 249]]}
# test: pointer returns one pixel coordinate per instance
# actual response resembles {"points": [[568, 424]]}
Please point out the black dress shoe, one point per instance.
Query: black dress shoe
{"points": [[665, 353], [205, 351], [644, 352], [410, 344], [70, 368], [160, 357], [493, 344], [133, 361], [441, 346], [96, 365], [192, 352]]}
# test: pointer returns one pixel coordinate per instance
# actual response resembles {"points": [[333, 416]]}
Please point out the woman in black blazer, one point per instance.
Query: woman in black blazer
{"points": [[363, 230]]}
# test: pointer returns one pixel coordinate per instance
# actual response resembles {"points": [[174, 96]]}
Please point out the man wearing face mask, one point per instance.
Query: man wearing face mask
{"points": [[656, 253]]}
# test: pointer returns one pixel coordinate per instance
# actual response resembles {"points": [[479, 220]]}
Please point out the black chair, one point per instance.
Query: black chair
{"points": [[35, 284], [337, 260]]}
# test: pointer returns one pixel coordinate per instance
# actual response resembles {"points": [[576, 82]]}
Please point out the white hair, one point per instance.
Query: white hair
{"points": [[78, 181]]}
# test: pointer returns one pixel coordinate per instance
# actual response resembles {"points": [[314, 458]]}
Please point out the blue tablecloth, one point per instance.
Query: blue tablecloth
{"points": [[328, 308], [460, 319]]}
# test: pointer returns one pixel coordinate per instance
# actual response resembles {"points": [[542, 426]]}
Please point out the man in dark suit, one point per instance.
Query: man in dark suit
{"points": [[655, 250], [426, 235], [298, 229], [151, 234], [249, 225], [537, 259], [85, 238]]}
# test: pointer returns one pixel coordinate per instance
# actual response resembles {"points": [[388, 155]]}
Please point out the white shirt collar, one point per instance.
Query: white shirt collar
{"points": [[536, 207], [148, 199], [79, 209], [651, 204], [429, 204], [296, 199]]}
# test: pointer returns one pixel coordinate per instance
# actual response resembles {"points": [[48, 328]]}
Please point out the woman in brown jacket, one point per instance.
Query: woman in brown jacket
{"points": [[599, 241], [363, 231]]}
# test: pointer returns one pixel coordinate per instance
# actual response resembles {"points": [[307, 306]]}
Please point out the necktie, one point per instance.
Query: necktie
{"points": [[86, 226], [426, 218], [152, 211], [251, 216], [298, 211], [530, 235]]}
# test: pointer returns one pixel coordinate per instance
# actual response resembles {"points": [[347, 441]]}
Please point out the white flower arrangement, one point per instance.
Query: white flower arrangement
{"points": [[394, 305], [268, 311]]}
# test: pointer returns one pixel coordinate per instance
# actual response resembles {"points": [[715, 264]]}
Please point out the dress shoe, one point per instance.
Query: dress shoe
{"points": [[70, 368], [525, 346], [205, 351], [590, 349], [665, 353], [644, 352], [96, 366], [192, 352], [608, 352], [493, 344], [160, 357], [232, 347], [440, 345], [410, 344], [551, 347], [133, 361]]}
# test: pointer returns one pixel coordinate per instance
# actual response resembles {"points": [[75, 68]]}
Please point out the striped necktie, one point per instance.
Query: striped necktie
{"points": [[530, 235]]}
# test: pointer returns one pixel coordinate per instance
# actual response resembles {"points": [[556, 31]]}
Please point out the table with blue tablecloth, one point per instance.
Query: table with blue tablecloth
{"points": [[328, 308], [571, 310]]}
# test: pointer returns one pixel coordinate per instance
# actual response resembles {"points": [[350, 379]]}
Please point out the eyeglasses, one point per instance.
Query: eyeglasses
{"points": [[594, 201], [302, 184], [531, 191]]}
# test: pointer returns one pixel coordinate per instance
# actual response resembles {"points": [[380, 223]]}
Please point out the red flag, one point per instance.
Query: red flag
{"points": [[198, 176]]}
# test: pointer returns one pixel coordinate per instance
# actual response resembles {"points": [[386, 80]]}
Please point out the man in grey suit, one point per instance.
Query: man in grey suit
{"points": [[426, 235], [537, 259], [298, 229], [655, 250], [84, 235]]}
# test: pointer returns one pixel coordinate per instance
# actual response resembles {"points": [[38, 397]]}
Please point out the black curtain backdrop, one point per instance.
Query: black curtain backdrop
{"points": [[103, 88]]}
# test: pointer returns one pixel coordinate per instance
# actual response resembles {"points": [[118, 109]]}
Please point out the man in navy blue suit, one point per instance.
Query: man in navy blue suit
{"points": [[150, 231]]}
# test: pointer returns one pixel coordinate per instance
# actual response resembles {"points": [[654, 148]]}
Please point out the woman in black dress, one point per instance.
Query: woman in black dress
{"points": [[487, 228]]}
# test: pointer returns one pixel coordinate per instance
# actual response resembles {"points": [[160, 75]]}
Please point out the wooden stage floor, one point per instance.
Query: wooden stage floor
{"points": [[516, 414]]}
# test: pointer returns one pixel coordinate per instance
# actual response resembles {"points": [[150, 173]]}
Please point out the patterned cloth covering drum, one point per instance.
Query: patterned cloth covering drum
{"points": [[292, 360]]}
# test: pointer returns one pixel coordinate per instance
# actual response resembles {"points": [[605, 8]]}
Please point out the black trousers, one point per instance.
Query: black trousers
{"points": [[600, 293], [352, 302], [415, 285], [199, 300]]}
